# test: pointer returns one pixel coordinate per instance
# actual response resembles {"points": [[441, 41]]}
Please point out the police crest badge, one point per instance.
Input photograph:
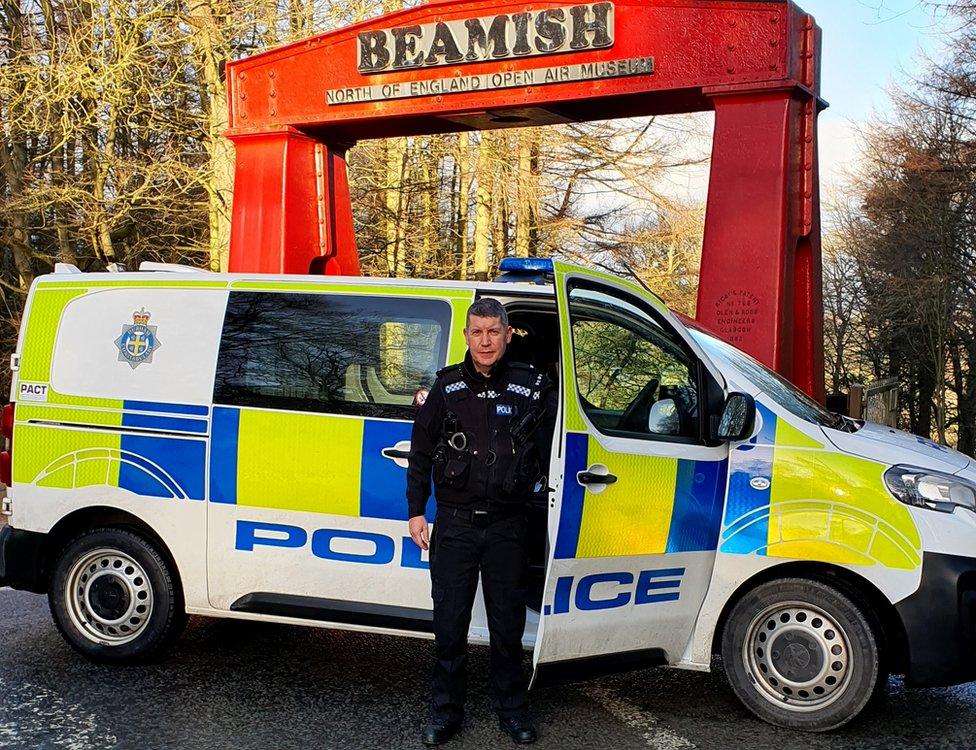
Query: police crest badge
{"points": [[138, 341]]}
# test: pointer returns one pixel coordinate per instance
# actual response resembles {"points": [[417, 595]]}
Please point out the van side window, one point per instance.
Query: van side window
{"points": [[633, 375], [330, 353]]}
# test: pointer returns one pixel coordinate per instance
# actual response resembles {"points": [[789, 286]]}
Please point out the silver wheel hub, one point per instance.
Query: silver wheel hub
{"points": [[108, 597], [797, 656]]}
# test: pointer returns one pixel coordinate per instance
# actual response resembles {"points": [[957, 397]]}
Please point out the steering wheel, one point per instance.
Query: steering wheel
{"points": [[635, 415]]}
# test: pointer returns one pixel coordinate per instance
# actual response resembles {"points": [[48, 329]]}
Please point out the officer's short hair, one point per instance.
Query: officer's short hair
{"points": [[488, 308]]}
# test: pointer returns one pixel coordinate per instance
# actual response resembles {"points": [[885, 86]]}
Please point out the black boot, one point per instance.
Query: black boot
{"points": [[519, 728], [439, 732]]}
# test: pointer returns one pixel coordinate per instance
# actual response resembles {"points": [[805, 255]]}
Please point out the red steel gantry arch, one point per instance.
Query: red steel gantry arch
{"points": [[480, 64]]}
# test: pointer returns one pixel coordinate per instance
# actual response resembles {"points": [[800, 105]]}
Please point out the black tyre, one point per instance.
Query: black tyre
{"points": [[115, 597], [802, 655]]}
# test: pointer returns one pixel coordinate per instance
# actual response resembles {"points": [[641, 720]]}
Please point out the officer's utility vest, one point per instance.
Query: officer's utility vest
{"points": [[477, 450]]}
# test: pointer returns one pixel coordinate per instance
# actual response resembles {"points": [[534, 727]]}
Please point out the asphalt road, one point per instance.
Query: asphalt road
{"points": [[248, 685]]}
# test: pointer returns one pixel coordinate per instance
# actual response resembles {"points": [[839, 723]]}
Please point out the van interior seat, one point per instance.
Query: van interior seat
{"points": [[539, 346], [363, 385], [382, 396]]}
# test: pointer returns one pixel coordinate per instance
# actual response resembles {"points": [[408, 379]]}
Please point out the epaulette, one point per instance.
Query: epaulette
{"points": [[452, 381], [522, 377], [444, 371]]}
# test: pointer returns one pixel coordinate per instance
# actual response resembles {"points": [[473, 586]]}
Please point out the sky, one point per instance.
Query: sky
{"points": [[868, 47]]}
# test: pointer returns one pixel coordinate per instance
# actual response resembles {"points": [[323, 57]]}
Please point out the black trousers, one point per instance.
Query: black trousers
{"points": [[460, 548]]}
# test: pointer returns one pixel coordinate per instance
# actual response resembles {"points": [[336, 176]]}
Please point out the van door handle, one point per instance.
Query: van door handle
{"points": [[398, 454], [587, 477], [596, 478]]}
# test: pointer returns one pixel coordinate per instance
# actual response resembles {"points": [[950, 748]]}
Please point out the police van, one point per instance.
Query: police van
{"points": [[183, 443]]}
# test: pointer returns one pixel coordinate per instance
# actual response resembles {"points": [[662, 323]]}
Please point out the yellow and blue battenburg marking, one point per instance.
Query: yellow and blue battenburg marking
{"points": [[659, 505], [140, 460], [750, 482], [791, 496], [314, 463], [164, 466]]}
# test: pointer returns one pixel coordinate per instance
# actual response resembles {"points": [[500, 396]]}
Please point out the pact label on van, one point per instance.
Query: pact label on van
{"points": [[33, 392]]}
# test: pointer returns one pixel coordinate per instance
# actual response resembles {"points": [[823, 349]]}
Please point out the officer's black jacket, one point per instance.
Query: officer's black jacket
{"points": [[485, 406]]}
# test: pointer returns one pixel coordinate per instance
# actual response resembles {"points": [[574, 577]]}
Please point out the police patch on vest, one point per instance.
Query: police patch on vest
{"points": [[138, 341], [503, 410]]}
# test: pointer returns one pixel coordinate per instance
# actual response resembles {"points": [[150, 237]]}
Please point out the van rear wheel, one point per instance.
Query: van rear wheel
{"points": [[800, 654], [114, 597]]}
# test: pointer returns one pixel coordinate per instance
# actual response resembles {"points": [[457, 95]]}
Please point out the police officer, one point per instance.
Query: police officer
{"points": [[484, 436]]}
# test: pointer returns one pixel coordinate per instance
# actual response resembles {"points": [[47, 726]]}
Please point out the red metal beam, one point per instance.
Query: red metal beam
{"points": [[295, 110]]}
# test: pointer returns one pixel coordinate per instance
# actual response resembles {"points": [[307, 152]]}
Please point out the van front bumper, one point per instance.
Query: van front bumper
{"points": [[940, 622], [21, 560]]}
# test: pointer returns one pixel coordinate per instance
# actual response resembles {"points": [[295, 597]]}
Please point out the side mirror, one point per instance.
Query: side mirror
{"points": [[738, 419]]}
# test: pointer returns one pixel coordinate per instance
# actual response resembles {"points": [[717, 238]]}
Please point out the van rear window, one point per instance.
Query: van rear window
{"points": [[330, 353]]}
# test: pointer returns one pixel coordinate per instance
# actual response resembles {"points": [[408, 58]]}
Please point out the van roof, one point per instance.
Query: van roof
{"points": [[190, 275]]}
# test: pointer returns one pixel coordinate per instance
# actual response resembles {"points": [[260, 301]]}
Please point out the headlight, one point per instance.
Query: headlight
{"points": [[930, 489]]}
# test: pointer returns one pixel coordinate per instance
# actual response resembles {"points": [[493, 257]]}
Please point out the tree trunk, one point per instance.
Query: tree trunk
{"points": [[922, 421], [105, 248], [482, 221], [528, 194], [14, 156], [428, 203], [206, 39], [464, 189], [499, 203], [396, 154], [965, 388], [59, 155]]}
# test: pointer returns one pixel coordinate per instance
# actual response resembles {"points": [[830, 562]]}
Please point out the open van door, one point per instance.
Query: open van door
{"points": [[640, 487]]}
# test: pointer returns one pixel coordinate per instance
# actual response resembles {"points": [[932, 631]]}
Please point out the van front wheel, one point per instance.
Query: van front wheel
{"points": [[802, 655], [114, 597]]}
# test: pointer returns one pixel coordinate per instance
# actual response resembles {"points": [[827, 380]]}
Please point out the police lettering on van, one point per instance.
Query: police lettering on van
{"points": [[376, 549], [236, 446]]}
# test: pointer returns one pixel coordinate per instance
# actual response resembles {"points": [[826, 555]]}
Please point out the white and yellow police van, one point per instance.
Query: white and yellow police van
{"points": [[236, 446]]}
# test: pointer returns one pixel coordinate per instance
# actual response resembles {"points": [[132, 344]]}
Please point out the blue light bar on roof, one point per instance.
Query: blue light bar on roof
{"points": [[526, 265], [525, 271]]}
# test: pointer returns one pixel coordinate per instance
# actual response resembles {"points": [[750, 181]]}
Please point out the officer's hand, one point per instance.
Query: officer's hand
{"points": [[419, 532]]}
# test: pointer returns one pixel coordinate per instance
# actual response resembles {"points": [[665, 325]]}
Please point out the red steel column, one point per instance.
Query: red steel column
{"points": [[338, 246], [291, 206], [808, 307], [760, 272]]}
